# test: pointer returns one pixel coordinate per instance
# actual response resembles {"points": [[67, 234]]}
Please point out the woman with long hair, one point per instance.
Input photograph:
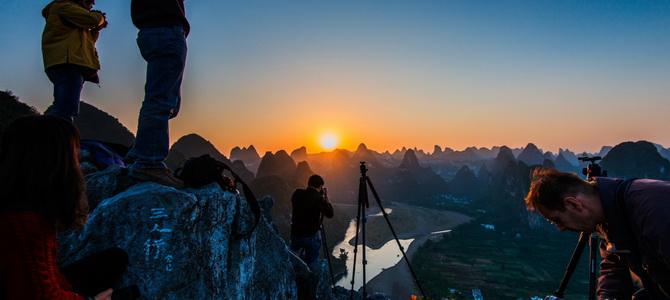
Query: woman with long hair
{"points": [[42, 193]]}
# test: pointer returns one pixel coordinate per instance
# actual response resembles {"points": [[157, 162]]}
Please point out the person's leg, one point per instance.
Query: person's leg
{"points": [[164, 49], [68, 82], [312, 247], [296, 244], [96, 272]]}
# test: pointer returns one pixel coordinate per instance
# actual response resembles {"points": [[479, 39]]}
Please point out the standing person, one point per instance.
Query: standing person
{"points": [[68, 51], [42, 193], [162, 42], [635, 236], [310, 205]]}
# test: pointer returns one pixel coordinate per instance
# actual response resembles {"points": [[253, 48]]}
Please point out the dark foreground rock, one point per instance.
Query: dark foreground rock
{"points": [[185, 244]]}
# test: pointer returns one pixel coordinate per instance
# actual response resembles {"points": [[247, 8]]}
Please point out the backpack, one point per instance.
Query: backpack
{"points": [[102, 154], [197, 172]]}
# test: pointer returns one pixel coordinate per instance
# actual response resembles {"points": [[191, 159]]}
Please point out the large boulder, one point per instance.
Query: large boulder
{"points": [[183, 244]]}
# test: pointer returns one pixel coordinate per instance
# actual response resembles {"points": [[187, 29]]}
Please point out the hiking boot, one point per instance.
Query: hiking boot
{"points": [[158, 175]]}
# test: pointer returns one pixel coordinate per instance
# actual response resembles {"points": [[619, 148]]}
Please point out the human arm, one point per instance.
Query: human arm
{"points": [[328, 208], [650, 211], [95, 32], [615, 281], [74, 15]]}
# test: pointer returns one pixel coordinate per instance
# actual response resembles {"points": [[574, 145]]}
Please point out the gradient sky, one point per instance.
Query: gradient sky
{"points": [[279, 74]]}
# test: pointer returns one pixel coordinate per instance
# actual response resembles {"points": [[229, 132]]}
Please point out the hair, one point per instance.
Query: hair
{"points": [[315, 181], [39, 170], [549, 187]]}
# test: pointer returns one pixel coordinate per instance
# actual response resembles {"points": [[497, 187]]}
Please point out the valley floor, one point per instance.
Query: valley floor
{"points": [[409, 222]]}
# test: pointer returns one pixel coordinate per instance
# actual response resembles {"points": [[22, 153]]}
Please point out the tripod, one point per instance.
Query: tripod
{"points": [[591, 170], [363, 203]]}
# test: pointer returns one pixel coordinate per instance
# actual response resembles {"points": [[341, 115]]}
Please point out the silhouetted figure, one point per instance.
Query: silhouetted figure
{"points": [[68, 51], [310, 205], [162, 42], [635, 235], [42, 193]]}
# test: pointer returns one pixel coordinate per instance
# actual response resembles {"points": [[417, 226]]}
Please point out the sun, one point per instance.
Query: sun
{"points": [[329, 141]]}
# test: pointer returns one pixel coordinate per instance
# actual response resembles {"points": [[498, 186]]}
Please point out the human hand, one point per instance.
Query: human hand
{"points": [[325, 194], [104, 295], [102, 26]]}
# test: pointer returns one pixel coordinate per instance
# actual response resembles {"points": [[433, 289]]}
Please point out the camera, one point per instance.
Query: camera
{"points": [[593, 169]]}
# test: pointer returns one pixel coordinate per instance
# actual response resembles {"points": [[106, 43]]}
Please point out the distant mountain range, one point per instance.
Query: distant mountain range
{"points": [[495, 179]]}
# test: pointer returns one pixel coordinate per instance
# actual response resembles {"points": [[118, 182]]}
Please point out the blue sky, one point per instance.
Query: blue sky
{"points": [[280, 74]]}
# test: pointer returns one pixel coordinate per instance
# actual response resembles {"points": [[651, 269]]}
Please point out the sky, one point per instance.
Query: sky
{"points": [[281, 74]]}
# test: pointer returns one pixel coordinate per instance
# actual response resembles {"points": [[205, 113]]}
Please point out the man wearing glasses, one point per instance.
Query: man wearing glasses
{"points": [[634, 226]]}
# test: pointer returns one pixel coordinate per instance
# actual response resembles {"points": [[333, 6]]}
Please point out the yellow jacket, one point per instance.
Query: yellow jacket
{"points": [[67, 37]]}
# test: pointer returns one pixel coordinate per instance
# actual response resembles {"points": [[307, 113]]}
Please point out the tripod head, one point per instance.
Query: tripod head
{"points": [[593, 169], [364, 169], [363, 188]]}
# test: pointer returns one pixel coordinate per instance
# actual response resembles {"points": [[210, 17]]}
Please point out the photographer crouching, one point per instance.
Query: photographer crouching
{"points": [[631, 217]]}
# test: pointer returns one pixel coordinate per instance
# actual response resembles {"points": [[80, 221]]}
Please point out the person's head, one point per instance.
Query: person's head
{"points": [[39, 170], [565, 200], [87, 4], [315, 181]]}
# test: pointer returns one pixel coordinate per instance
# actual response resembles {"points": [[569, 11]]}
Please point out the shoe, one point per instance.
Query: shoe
{"points": [[157, 175]]}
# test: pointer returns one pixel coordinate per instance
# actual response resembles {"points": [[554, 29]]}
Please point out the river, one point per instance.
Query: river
{"points": [[389, 254]]}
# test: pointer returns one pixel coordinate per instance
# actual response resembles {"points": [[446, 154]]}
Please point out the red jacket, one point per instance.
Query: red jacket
{"points": [[28, 259]]}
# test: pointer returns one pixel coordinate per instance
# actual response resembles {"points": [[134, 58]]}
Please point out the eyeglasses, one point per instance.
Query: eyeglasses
{"points": [[555, 220]]}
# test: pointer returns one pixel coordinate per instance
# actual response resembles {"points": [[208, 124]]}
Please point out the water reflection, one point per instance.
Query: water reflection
{"points": [[378, 260]]}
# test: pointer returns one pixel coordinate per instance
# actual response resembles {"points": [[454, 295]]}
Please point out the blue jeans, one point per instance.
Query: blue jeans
{"points": [[164, 49], [68, 80], [311, 245]]}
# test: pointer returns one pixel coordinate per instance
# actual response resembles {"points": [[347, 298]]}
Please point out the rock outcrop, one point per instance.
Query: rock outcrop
{"points": [[249, 156], [184, 244], [96, 124], [531, 155], [636, 159]]}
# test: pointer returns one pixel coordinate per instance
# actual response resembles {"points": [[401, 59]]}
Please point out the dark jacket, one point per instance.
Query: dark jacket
{"points": [[648, 209], [308, 205], [159, 13]]}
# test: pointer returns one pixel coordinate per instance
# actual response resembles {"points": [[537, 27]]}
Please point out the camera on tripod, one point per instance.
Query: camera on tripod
{"points": [[593, 169]]}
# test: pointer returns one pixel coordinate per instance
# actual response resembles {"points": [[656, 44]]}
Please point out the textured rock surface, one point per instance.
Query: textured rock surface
{"points": [[182, 243]]}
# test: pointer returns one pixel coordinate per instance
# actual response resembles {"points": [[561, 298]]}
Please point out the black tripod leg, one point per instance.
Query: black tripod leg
{"points": [[327, 255], [353, 271], [581, 244], [593, 243], [363, 196], [402, 250]]}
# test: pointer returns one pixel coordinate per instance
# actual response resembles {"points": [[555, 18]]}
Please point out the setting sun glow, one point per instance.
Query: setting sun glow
{"points": [[329, 141]]}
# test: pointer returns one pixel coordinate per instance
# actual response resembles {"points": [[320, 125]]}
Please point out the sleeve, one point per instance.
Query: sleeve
{"points": [[615, 281], [655, 229], [655, 226], [319, 203], [80, 17], [328, 210], [37, 267], [95, 35]]}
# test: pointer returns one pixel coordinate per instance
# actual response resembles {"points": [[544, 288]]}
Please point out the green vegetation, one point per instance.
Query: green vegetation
{"points": [[503, 265]]}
